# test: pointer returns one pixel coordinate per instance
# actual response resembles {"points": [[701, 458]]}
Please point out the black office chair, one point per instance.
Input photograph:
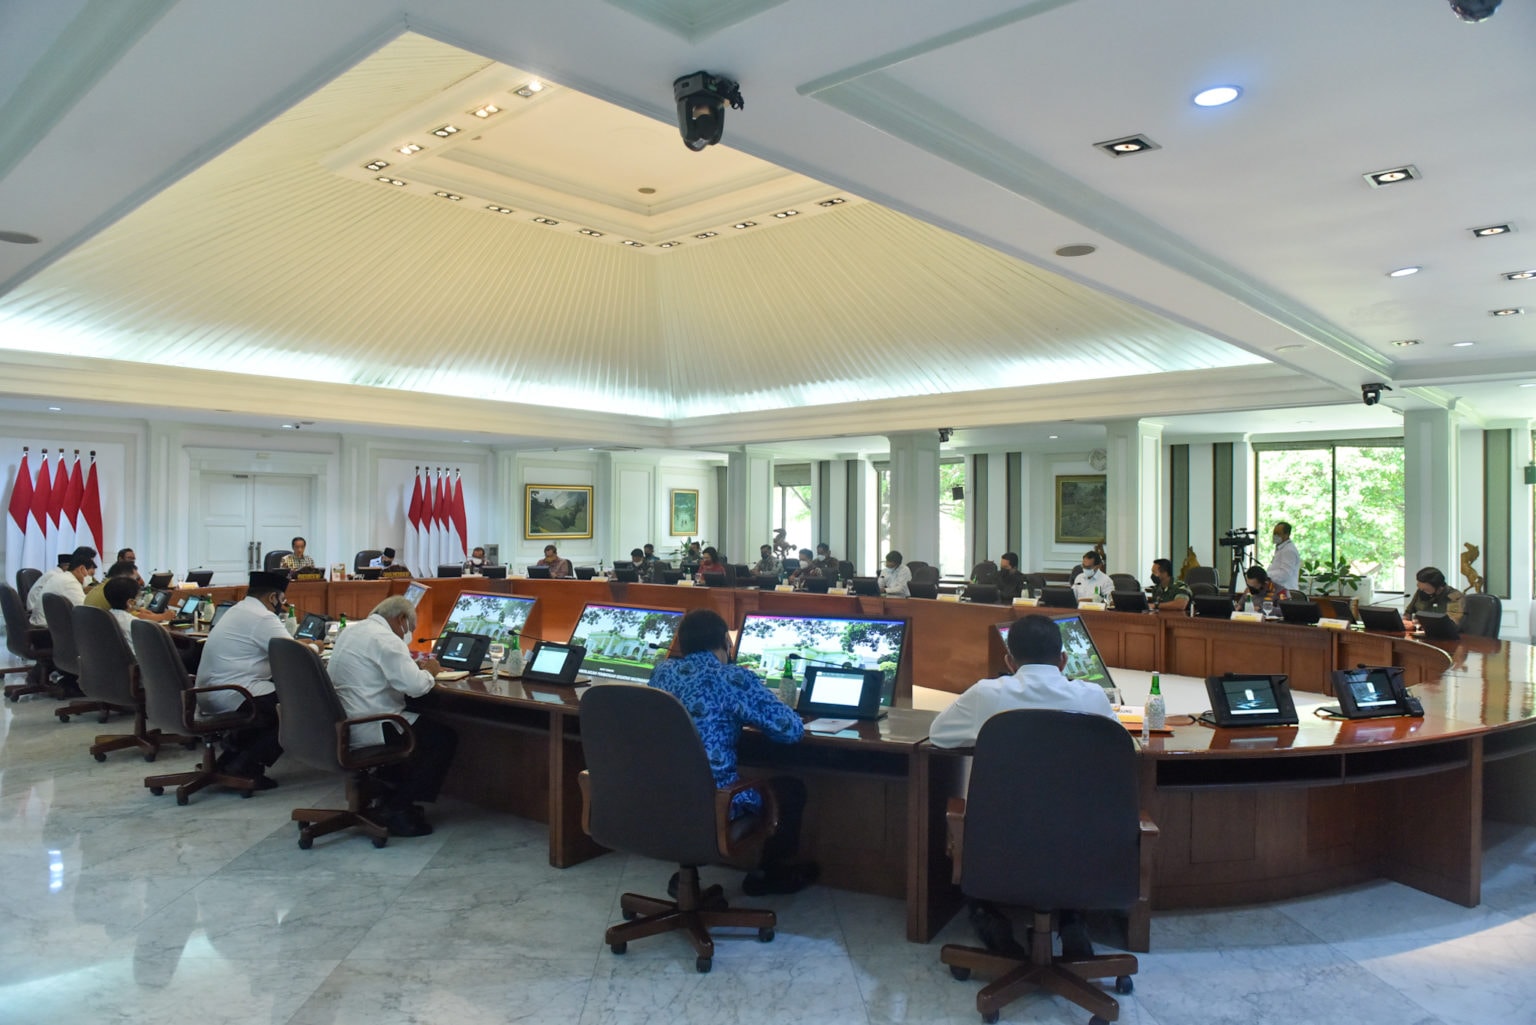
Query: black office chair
{"points": [[361, 560], [170, 703], [28, 643], [66, 658], [314, 730], [1202, 575], [984, 572], [925, 575], [1051, 823], [1035, 583], [845, 570], [110, 676], [1125, 582], [1482, 615], [648, 790], [1203, 587], [273, 561], [25, 578]]}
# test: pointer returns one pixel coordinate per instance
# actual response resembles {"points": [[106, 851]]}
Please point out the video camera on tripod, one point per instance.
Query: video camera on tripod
{"points": [[1238, 537]]}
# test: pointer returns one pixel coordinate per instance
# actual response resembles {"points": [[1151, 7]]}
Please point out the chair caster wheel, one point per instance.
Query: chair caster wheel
{"points": [[630, 916], [765, 935], [157, 791], [189, 745], [305, 841], [1123, 984], [100, 756], [958, 973], [62, 718], [380, 841], [149, 756], [703, 964], [245, 795], [618, 948], [182, 798], [1096, 1020], [990, 1017]]}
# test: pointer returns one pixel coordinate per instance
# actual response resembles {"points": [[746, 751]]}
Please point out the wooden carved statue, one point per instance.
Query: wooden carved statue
{"points": [[1191, 560], [1099, 547], [1469, 555]]}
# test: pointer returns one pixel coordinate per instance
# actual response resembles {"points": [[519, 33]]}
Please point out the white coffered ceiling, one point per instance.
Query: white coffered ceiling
{"points": [[208, 220]]}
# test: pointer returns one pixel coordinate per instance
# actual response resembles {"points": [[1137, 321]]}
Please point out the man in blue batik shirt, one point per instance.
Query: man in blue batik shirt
{"points": [[722, 698]]}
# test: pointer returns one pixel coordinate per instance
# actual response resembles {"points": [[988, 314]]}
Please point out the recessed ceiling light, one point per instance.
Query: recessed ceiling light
{"points": [[448, 195], [1531, 384], [1126, 146], [1520, 275], [290, 427], [498, 209], [1077, 249], [834, 201], [376, 165], [387, 180], [486, 111], [1489, 230], [55, 409], [1406, 343], [646, 190], [445, 131], [706, 234], [786, 213], [19, 238], [670, 245], [545, 220], [1508, 311], [1290, 348], [1462, 345], [1217, 96], [408, 149], [1390, 176], [1053, 437], [1403, 272], [632, 242], [534, 86], [745, 224], [589, 231]]}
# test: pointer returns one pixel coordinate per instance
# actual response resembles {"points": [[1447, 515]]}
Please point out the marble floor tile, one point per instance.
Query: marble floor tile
{"points": [[816, 990], [529, 991]]}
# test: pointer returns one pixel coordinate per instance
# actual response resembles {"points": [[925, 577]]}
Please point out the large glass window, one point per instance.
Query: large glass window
{"points": [[1344, 500], [792, 503], [952, 519]]}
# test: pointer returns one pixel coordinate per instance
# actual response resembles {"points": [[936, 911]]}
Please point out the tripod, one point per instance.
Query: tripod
{"points": [[1239, 565]]}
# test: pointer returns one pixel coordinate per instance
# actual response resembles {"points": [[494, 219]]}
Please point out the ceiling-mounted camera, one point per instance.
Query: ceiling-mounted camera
{"points": [[1370, 394], [1475, 10], [701, 99]]}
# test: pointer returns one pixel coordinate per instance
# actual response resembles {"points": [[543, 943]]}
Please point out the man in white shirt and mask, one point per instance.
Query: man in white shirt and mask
{"points": [[1285, 561], [373, 673], [41, 585], [1035, 660], [1093, 584], [895, 579]]}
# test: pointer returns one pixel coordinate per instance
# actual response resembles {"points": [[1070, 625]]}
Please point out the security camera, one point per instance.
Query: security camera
{"points": [[1475, 10], [945, 433], [1370, 394], [701, 99]]}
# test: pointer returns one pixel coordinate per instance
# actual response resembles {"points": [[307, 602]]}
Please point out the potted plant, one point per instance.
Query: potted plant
{"points": [[1336, 578]]}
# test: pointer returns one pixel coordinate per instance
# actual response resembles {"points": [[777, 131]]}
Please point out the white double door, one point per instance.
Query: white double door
{"points": [[245, 515]]}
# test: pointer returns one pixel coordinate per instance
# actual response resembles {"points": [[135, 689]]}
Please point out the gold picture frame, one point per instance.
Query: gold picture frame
{"points": [[684, 507], [553, 512], [1082, 507]]}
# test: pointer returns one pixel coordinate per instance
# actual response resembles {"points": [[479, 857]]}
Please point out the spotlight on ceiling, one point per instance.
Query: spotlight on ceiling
{"points": [[1475, 10], [701, 99]]}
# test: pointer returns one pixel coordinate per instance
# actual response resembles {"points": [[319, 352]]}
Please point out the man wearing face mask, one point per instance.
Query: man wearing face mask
{"points": [[373, 673], [806, 569], [236, 655], [1285, 561], [1093, 584]]}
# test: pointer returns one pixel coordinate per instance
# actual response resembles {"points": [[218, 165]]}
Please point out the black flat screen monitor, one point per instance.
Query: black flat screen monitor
{"points": [[160, 581], [626, 574], [158, 601], [1058, 597], [1300, 612], [553, 663], [414, 592], [841, 693], [450, 570], [494, 616], [200, 577], [1083, 659], [312, 628], [494, 572], [815, 585], [1213, 606], [1129, 601], [766, 583], [765, 642], [1370, 692], [623, 642], [867, 586], [1250, 700], [672, 576], [1343, 608], [1438, 626], [716, 580], [463, 652], [1382, 619], [370, 572]]}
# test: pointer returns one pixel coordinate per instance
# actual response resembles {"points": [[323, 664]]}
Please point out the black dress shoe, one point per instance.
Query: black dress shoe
{"points": [[995, 930], [780, 879], [403, 822], [1075, 943]]}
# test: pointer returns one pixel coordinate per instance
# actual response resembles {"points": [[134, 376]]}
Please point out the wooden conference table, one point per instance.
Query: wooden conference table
{"points": [[1245, 815]]}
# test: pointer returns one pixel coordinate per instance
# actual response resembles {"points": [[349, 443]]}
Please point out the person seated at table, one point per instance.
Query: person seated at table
{"points": [[711, 561], [766, 565], [1093, 584], [476, 559], [559, 568], [895, 580], [1261, 588], [650, 552], [826, 562], [383, 560], [1011, 583], [804, 570], [373, 673], [1433, 594], [1168, 593], [41, 584], [723, 699], [1035, 660], [96, 597], [297, 560]]}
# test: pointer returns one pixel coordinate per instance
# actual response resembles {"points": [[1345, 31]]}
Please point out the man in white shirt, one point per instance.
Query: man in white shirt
{"points": [[69, 584], [373, 673], [236, 655], [383, 560], [1285, 561], [1093, 584], [895, 579], [1035, 659], [35, 595]]}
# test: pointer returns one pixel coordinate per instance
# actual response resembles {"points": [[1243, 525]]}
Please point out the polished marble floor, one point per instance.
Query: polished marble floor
{"points": [[118, 907]]}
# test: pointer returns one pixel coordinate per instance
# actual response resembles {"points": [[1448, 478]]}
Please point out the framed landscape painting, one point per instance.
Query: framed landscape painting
{"points": [[555, 511], [1081, 507], [685, 512]]}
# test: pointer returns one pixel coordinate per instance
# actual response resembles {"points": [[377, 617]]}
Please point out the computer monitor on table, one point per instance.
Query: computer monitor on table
{"points": [[497, 616], [623, 642], [1083, 659], [766, 643]]}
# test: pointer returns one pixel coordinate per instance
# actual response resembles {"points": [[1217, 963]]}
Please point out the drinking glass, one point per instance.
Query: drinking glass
{"points": [[1269, 608]]}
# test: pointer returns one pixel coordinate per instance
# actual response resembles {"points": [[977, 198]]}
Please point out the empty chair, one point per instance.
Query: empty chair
{"points": [[273, 560], [1202, 575], [1125, 582], [109, 674], [66, 658], [314, 730], [364, 558], [845, 570], [26, 642], [1203, 587], [926, 574], [1051, 823], [1481, 616], [984, 572], [916, 564], [170, 703], [648, 790], [25, 578]]}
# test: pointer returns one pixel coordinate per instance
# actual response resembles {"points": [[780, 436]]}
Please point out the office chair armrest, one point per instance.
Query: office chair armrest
{"points": [[769, 816], [954, 842], [189, 701], [344, 739]]}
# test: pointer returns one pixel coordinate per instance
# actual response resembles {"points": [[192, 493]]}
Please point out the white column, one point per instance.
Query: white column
{"points": [[915, 495], [836, 531], [1135, 529], [1431, 446], [748, 500], [861, 516], [172, 513], [357, 527]]}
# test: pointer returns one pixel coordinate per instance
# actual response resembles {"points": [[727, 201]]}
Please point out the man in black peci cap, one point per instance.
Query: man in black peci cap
{"points": [[236, 653]]}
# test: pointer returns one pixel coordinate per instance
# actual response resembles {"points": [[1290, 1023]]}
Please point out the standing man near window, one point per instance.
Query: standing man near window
{"points": [[1285, 560]]}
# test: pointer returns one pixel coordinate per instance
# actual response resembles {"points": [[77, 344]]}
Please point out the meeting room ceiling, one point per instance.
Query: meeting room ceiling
{"points": [[562, 268]]}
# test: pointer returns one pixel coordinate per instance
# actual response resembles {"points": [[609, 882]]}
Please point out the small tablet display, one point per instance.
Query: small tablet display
{"points": [[1213, 606], [1129, 601], [189, 606], [841, 693], [414, 592], [218, 613], [464, 652], [159, 601], [312, 628], [1381, 619], [1369, 692], [1250, 700], [1301, 612], [554, 663]]}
